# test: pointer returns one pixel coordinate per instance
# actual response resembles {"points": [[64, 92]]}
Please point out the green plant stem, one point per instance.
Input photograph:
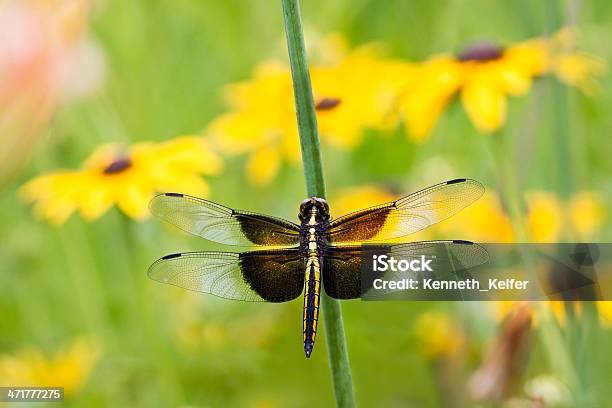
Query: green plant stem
{"points": [[304, 102], [315, 185]]}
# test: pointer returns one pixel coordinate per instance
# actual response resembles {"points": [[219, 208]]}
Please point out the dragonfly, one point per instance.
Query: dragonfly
{"points": [[290, 258]]}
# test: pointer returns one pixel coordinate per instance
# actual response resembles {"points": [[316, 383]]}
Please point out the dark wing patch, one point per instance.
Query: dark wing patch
{"points": [[277, 276], [222, 224], [407, 215], [342, 272], [257, 276], [342, 275]]}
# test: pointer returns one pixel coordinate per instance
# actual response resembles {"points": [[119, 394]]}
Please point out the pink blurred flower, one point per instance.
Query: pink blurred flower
{"points": [[46, 58]]}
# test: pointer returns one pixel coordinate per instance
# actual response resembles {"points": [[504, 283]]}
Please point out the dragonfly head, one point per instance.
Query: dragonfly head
{"points": [[314, 203]]}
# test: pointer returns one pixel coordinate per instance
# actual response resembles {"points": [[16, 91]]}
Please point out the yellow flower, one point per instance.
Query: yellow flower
{"points": [[484, 75], [127, 178], [261, 122], [69, 367], [438, 335], [353, 93], [358, 93]]}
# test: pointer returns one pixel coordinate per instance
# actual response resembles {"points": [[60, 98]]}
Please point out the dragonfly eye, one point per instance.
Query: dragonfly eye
{"points": [[322, 205], [305, 208], [305, 205]]}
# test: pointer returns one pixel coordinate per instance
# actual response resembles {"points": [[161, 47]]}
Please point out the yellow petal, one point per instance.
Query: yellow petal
{"points": [[422, 105], [531, 58], [485, 104], [587, 211], [514, 81], [422, 114], [39, 187], [605, 312], [56, 210], [102, 156], [189, 154], [56, 194], [95, 203], [263, 166], [238, 132], [134, 202], [545, 216], [580, 70]]}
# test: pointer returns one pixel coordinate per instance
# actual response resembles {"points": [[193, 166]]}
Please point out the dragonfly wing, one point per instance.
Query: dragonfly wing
{"points": [[343, 265], [407, 215], [222, 224], [256, 276]]}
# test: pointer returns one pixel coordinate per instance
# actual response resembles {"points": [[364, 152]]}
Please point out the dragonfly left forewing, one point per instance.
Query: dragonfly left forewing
{"points": [[256, 276]]}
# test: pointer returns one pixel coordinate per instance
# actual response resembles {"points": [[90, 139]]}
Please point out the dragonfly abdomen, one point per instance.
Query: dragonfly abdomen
{"points": [[312, 250], [311, 302]]}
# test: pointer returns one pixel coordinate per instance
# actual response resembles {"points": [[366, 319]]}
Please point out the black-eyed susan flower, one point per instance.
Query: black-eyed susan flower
{"points": [[352, 93], [127, 178], [484, 75], [261, 122], [70, 367]]}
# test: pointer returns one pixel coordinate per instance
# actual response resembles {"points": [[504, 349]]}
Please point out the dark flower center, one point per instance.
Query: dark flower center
{"points": [[324, 104], [118, 166], [481, 52]]}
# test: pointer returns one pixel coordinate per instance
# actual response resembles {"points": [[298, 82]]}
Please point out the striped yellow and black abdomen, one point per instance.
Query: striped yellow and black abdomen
{"points": [[311, 302], [312, 282]]}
